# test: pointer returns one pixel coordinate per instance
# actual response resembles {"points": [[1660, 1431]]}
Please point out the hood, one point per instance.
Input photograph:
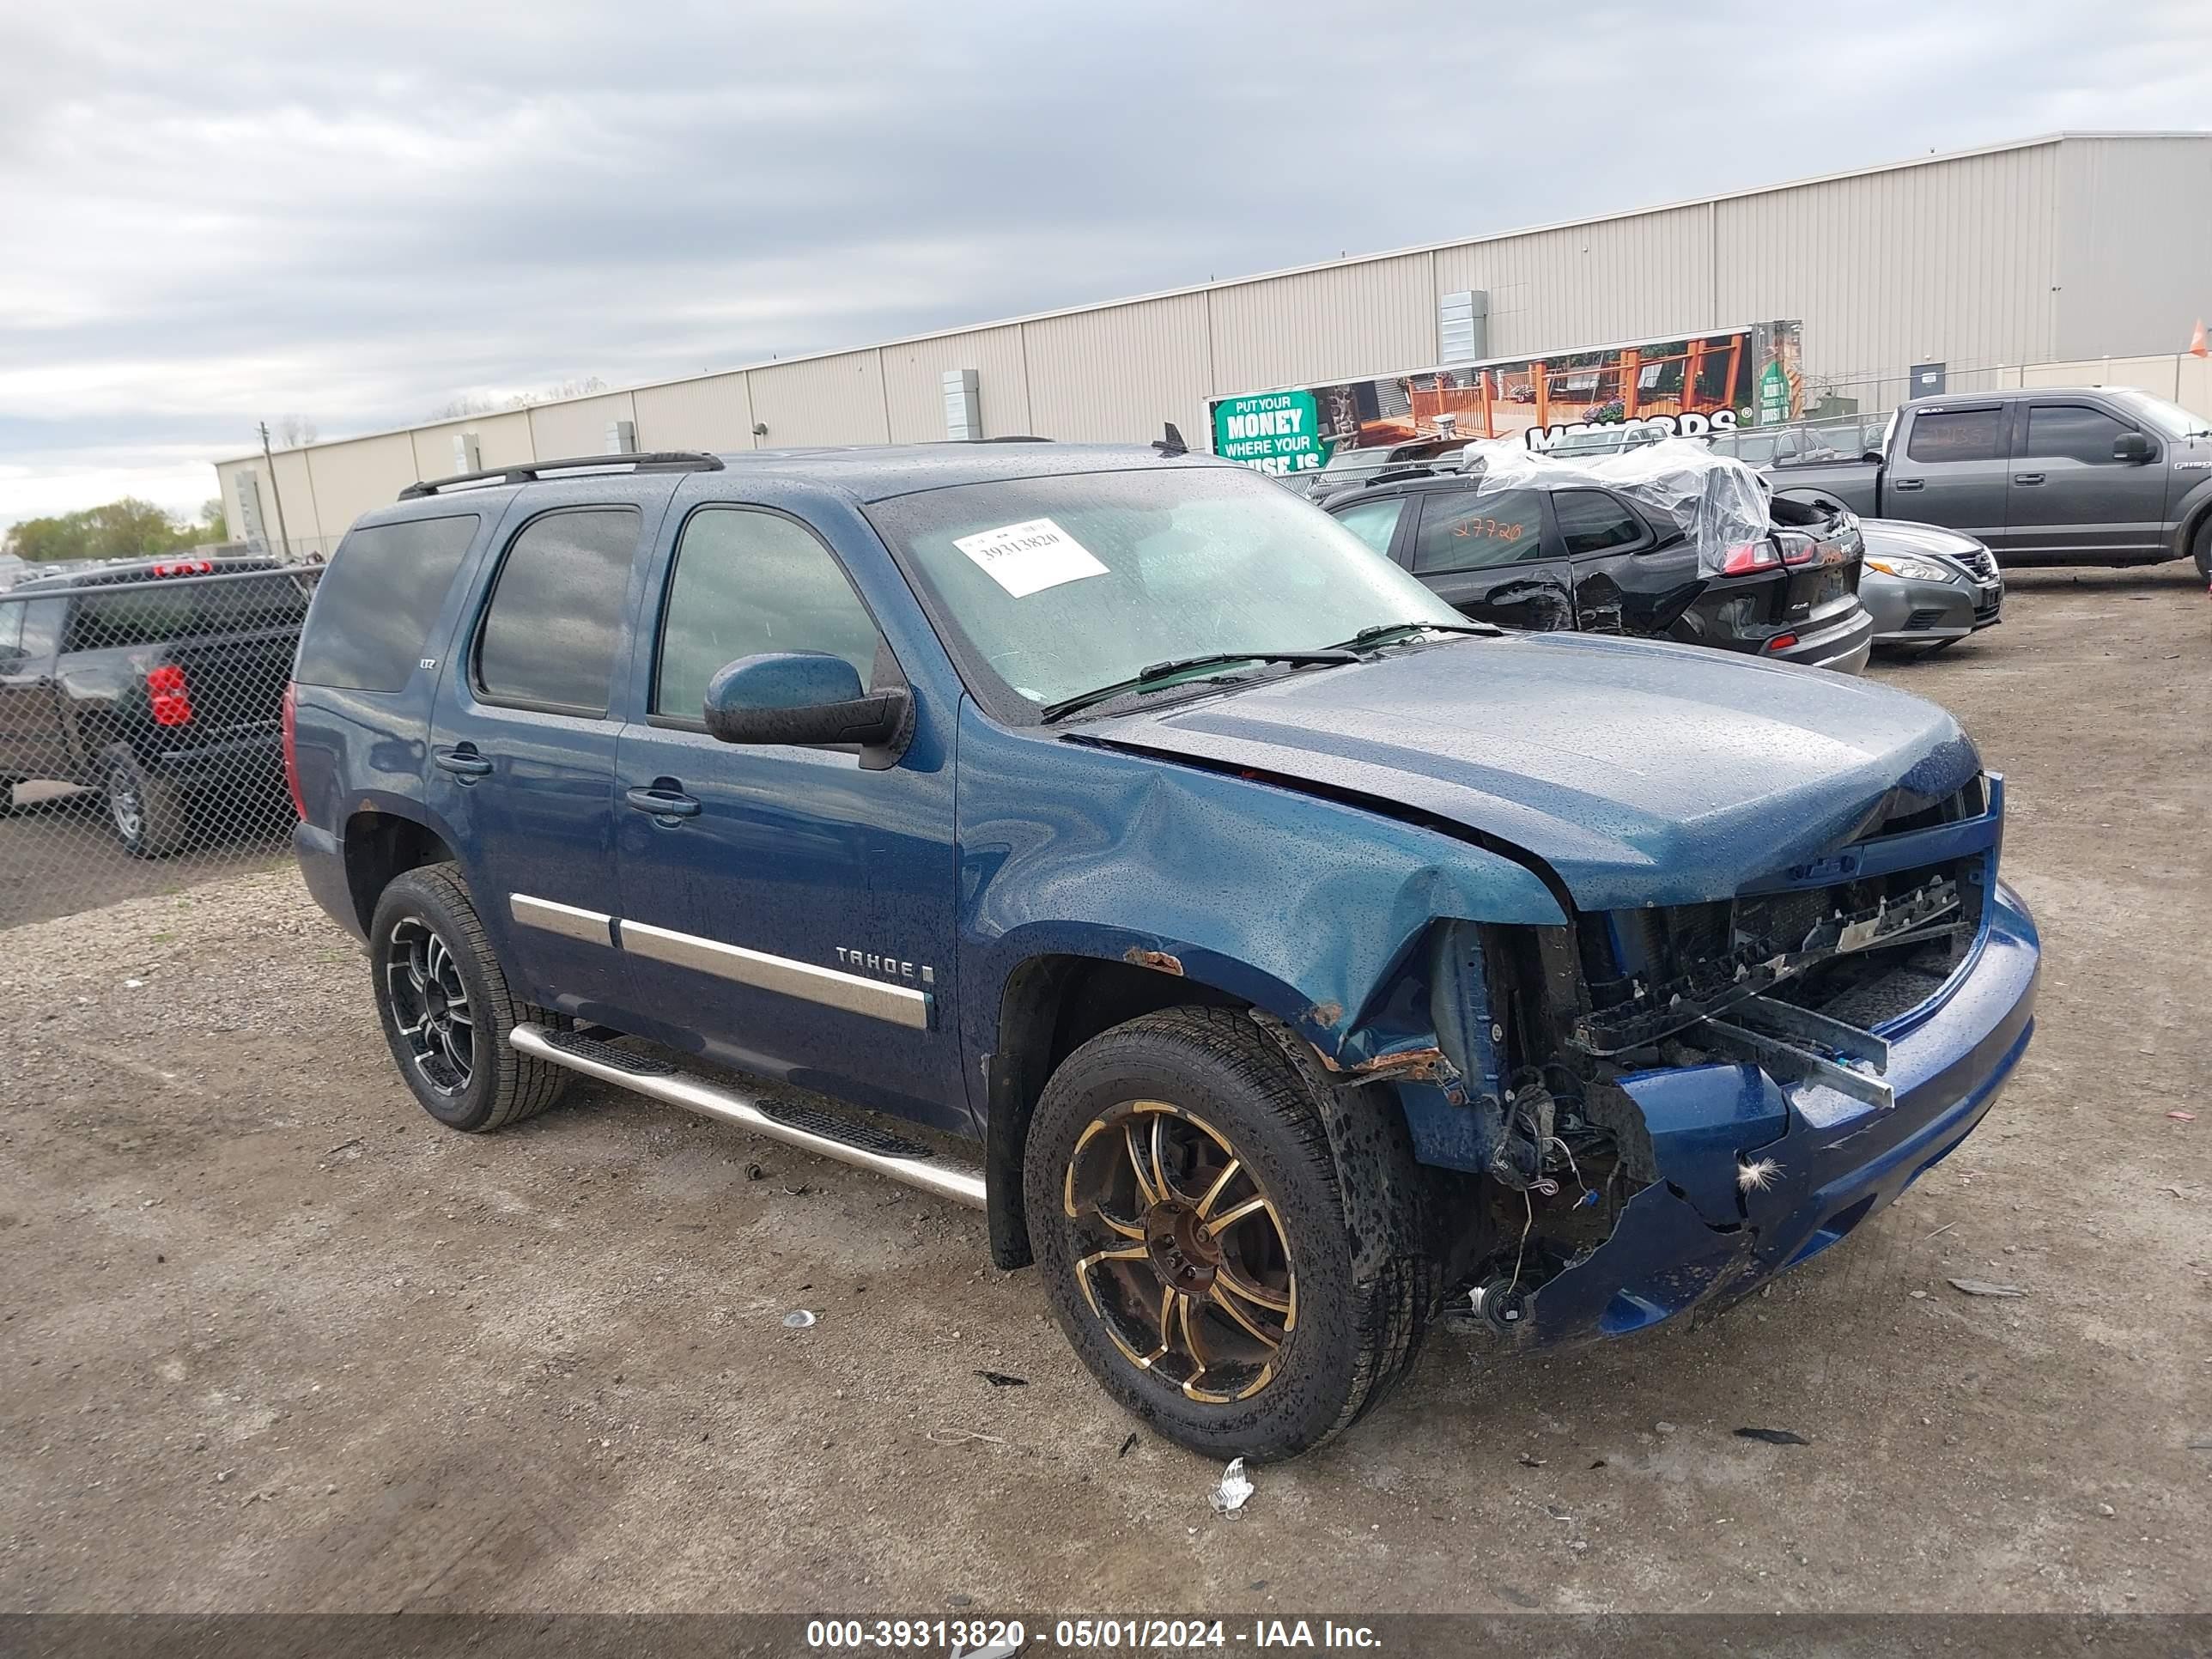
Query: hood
{"points": [[1641, 773], [1901, 538]]}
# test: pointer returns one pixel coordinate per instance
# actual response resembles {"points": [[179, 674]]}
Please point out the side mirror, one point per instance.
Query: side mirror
{"points": [[1874, 456], [800, 698], [2131, 447]]}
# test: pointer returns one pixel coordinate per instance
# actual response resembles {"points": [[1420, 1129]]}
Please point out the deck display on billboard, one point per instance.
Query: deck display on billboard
{"points": [[1682, 387]]}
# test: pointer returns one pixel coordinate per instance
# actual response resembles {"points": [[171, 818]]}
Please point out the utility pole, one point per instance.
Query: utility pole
{"points": [[276, 494]]}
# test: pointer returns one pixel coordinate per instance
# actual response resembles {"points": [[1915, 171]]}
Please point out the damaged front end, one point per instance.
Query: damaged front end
{"points": [[1666, 1105]]}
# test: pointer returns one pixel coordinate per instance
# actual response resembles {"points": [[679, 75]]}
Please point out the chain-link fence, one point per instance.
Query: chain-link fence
{"points": [[142, 727]]}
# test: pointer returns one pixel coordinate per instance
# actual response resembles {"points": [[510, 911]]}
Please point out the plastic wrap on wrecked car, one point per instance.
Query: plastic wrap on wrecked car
{"points": [[1717, 502]]}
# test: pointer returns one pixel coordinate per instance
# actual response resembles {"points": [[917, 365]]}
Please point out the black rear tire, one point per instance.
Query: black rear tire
{"points": [[147, 814], [445, 1008], [2205, 549], [1332, 1174]]}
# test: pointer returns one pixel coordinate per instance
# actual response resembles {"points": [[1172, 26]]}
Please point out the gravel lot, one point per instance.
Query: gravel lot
{"points": [[273, 1340], [58, 857]]}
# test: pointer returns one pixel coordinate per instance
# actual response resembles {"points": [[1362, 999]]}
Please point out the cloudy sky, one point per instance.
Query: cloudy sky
{"points": [[230, 212]]}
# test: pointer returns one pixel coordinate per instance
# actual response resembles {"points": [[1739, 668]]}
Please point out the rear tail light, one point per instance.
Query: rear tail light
{"points": [[292, 751], [185, 567], [1749, 557], [1782, 642], [1797, 550], [172, 697]]}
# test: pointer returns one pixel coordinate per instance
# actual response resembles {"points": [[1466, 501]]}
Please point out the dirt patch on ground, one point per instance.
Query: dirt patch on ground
{"points": [[273, 1341]]}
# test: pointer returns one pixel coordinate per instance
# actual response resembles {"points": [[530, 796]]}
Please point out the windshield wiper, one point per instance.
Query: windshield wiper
{"points": [[1147, 679], [1382, 631]]}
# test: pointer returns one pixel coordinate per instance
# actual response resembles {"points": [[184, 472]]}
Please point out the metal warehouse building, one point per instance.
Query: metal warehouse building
{"points": [[2019, 262]]}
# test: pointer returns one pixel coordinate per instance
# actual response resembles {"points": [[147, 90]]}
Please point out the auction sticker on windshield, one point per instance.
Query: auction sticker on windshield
{"points": [[1028, 557]]}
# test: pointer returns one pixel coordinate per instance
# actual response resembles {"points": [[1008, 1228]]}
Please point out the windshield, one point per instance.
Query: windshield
{"points": [[1062, 585], [2171, 420]]}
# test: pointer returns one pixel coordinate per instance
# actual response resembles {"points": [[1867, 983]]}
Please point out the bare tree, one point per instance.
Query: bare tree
{"points": [[296, 431], [554, 394], [460, 408], [472, 403]]}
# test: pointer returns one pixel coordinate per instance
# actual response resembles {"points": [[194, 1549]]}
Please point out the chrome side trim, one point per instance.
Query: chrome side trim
{"points": [[832, 989], [566, 920], [962, 1183]]}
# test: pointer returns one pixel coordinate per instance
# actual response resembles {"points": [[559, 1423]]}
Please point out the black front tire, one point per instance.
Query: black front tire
{"points": [[1335, 1175], [147, 814], [450, 1043]]}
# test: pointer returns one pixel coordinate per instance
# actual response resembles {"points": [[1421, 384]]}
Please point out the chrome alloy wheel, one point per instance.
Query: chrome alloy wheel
{"points": [[430, 1006], [124, 811], [1192, 1276]]}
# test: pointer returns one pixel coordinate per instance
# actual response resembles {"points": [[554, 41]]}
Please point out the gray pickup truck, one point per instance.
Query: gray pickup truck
{"points": [[2048, 476]]}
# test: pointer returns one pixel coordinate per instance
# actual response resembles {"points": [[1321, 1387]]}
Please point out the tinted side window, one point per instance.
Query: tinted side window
{"points": [[1591, 521], [11, 631], [42, 626], [1956, 434], [1374, 522], [549, 634], [376, 602], [183, 608], [747, 582], [1464, 529], [2073, 432]]}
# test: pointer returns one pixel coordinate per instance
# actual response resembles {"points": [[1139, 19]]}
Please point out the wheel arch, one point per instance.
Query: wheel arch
{"points": [[379, 845], [2195, 519], [1049, 1005]]}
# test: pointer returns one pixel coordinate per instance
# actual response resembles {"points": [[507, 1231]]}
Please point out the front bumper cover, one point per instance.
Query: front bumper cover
{"points": [[1696, 1238]]}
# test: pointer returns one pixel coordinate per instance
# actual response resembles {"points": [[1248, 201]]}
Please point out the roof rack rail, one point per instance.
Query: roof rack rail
{"points": [[660, 461], [1403, 470]]}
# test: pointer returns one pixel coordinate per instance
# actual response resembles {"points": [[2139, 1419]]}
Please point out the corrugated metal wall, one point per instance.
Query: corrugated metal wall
{"points": [[2046, 249], [294, 488], [913, 383], [503, 439], [822, 400], [1116, 374], [1343, 321], [578, 427], [1618, 279], [714, 413], [1950, 262], [2134, 264]]}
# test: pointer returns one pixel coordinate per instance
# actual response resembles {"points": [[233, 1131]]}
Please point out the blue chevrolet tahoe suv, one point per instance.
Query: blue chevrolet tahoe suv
{"points": [[1128, 850]]}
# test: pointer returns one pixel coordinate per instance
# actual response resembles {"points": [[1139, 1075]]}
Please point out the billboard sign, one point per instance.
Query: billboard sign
{"points": [[1686, 387], [1276, 432]]}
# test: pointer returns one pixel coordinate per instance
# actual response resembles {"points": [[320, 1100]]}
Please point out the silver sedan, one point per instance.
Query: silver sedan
{"points": [[1927, 586]]}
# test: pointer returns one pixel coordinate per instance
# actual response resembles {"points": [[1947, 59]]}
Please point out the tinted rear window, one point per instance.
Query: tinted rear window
{"points": [[166, 609], [549, 634], [1956, 434], [383, 590]]}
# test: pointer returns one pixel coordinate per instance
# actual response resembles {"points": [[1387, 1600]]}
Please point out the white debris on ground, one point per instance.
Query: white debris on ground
{"points": [[1235, 1489]]}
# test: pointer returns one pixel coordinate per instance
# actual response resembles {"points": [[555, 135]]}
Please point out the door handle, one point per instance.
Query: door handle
{"points": [[663, 803], [1907, 483], [2027, 478], [462, 763]]}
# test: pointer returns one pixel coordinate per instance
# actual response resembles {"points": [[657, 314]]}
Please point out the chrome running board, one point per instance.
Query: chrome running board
{"points": [[915, 1164]]}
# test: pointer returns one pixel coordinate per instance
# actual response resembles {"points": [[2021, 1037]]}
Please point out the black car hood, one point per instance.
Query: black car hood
{"points": [[1641, 773]]}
